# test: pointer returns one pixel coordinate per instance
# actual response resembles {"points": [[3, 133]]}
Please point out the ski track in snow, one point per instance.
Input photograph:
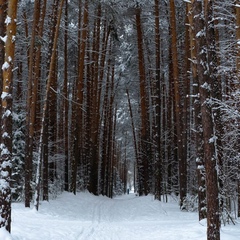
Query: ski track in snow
{"points": [[87, 217]]}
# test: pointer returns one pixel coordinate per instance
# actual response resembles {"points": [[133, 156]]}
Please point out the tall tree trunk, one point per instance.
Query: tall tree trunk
{"points": [[237, 85], [31, 104], [212, 157], [45, 169], [193, 11], [186, 103], [111, 132], [158, 181], [182, 162], [171, 158], [95, 107], [6, 127], [206, 75], [44, 113], [105, 143], [80, 85], [3, 11], [65, 93], [144, 187]]}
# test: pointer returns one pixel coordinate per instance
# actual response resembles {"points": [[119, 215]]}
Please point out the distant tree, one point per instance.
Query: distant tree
{"points": [[158, 181], [66, 104], [236, 86], [145, 154]]}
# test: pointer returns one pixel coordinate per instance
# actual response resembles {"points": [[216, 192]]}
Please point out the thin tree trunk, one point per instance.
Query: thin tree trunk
{"points": [[144, 162], [193, 10], [65, 93], [186, 103], [96, 101], [45, 157], [237, 84], [111, 130], [136, 163], [3, 11], [182, 162], [158, 187], [105, 143]]}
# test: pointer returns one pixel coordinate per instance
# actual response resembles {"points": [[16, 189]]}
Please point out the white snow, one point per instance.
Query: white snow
{"points": [[206, 86], [5, 135], [4, 235], [8, 20], [4, 95], [8, 112], [4, 150], [87, 217], [4, 39], [3, 186], [5, 66], [201, 33], [212, 139]]}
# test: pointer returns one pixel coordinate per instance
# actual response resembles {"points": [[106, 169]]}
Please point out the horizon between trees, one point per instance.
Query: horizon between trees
{"points": [[108, 95]]}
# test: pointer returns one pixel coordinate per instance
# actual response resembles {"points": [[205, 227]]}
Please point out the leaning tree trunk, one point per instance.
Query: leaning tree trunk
{"points": [[6, 129]]}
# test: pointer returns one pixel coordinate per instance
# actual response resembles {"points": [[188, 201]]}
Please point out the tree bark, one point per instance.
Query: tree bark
{"points": [[136, 163], [6, 127], [31, 104], [237, 84], [204, 45], [194, 21], [158, 181], [144, 184], [182, 162], [80, 85], [44, 114], [3, 9], [65, 93]]}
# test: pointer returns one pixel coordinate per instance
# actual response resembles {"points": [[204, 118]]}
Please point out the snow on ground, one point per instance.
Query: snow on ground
{"points": [[87, 217]]}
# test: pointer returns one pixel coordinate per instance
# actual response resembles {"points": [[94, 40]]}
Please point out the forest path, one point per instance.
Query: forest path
{"points": [[87, 217]]}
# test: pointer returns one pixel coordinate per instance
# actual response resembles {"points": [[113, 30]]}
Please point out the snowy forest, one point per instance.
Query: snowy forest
{"points": [[112, 96]]}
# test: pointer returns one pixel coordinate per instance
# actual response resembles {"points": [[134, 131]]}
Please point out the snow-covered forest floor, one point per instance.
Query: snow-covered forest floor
{"points": [[87, 217]]}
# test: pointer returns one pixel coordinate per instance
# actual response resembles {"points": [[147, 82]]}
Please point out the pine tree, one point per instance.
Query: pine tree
{"points": [[206, 73], [6, 129]]}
